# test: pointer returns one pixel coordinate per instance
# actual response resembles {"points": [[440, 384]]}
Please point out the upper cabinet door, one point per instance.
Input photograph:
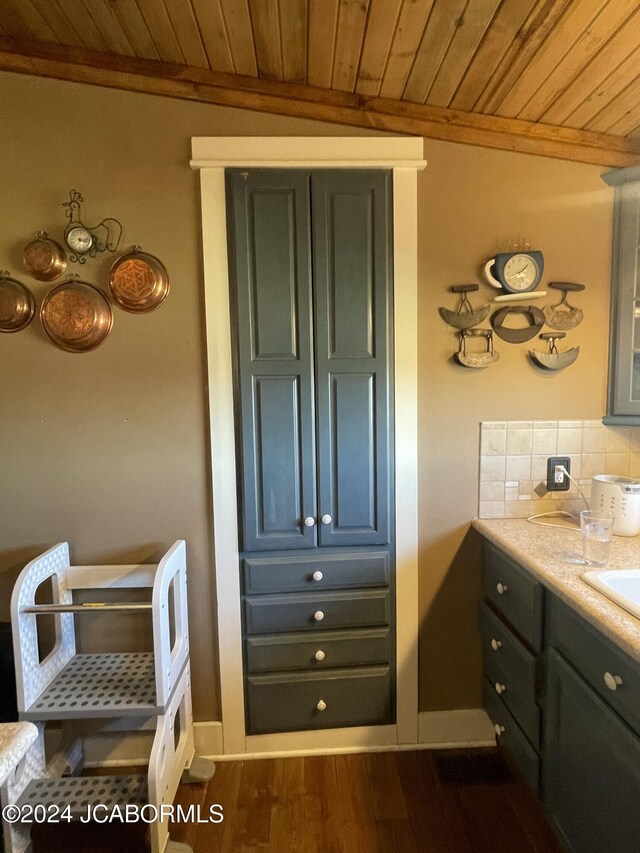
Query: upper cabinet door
{"points": [[352, 253], [270, 270]]}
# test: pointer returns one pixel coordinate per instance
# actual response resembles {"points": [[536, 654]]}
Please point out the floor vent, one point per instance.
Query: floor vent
{"points": [[472, 768]]}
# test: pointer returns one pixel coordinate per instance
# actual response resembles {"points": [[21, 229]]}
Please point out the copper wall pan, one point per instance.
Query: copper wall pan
{"points": [[17, 305], [43, 258], [138, 281], [76, 316]]}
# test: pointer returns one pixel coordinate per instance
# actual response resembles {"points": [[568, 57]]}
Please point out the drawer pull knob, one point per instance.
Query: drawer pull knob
{"points": [[612, 681], [326, 519], [495, 645], [317, 576], [502, 588], [319, 655], [498, 729], [309, 521], [500, 688], [318, 615], [321, 706]]}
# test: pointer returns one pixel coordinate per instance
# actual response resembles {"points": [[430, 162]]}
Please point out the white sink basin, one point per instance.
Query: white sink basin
{"points": [[620, 585]]}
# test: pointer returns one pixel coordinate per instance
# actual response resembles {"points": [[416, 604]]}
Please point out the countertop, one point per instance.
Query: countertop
{"points": [[547, 554]]}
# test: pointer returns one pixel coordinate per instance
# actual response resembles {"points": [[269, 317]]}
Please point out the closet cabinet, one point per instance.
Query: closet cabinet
{"points": [[310, 261]]}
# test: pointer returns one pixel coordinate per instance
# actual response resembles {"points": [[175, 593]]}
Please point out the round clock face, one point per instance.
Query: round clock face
{"points": [[79, 239], [521, 273]]}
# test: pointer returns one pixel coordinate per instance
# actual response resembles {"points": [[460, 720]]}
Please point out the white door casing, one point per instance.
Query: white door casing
{"points": [[212, 155]]}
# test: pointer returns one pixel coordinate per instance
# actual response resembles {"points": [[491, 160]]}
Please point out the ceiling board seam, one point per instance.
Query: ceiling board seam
{"points": [[459, 23], [364, 38], [620, 96], [54, 9], [110, 11], [66, 17], [532, 24], [17, 11], [485, 35], [389, 50], [117, 11], [589, 64], [601, 85], [227, 37], [306, 47], [415, 55], [566, 53], [173, 30], [203, 45]]}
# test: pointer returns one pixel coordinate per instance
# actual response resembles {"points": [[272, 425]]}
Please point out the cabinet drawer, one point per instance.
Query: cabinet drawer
{"points": [[595, 658], [332, 571], [510, 736], [515, 593], [272, 614], [324, 650], [283, 703], [512, 670]]}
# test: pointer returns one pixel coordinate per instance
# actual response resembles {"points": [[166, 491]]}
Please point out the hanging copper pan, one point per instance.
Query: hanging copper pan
{"points": [[17, 305], [76, 316], [138, 281], [43, 258]]}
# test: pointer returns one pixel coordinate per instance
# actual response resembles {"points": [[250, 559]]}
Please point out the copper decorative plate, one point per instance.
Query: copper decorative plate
{"points": [[138, 282], [76, 316], [43, 258], [17, 305]]}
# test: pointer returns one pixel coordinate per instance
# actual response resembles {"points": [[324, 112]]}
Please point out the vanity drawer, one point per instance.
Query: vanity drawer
{"points": [[323, 650], [272, 614], [510, 736], [332, 571], [285, 703], [515, 593], [512, 670], [598, 660]]}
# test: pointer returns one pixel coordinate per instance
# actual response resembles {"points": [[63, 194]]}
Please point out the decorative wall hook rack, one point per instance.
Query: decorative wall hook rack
{"points": [[86, 241]]}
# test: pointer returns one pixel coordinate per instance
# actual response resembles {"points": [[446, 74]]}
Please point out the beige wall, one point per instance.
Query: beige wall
{"points": [[109, 449]]}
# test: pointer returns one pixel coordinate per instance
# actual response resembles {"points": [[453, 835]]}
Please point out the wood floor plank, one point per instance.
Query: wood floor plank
{"points": [[386, 788], [322, 802], [188, 796], [252, 827], [357, 822], [397, 836], [223, 789], [526, 808]]}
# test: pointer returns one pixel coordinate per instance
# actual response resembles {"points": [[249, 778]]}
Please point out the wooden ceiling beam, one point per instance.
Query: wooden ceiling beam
{"points": [[384, 114]]}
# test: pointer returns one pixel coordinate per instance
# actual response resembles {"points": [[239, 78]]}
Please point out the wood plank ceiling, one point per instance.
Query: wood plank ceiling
{"points": [[556, 77]]}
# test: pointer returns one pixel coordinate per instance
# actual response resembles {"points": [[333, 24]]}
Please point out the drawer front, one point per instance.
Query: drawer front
{"points": [[598, 660], [324, 650], [272, 614], [315, 573], [284, 703], [512, 670], [510, 736], [515, 593]]}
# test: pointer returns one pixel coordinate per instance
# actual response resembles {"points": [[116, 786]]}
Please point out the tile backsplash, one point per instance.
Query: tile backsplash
{"points": [[513, 463]]}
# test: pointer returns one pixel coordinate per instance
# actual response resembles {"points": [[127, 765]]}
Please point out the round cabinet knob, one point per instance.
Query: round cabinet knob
{"points": [[612, 681], [321, 706], [498, 729], [495, 645], [326, 519], [319, 655], [309, 521], [318, 615], [500, 688], [317, 576], [502, 588]]}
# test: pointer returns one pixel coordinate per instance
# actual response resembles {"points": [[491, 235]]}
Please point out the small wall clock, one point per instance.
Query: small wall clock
{"points": [[515, 272]]}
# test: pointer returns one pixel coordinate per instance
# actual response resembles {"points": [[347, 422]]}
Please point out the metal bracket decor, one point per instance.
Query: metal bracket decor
{"points": [[105, 236]]}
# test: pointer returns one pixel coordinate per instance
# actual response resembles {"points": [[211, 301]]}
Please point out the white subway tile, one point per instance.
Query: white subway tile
{"points": [[492, 491], [518, 468], [491, 509], [493, 442], [519, 440], [544, 441], [594, 440], [618, 439], [569, 441], [492, 469]]}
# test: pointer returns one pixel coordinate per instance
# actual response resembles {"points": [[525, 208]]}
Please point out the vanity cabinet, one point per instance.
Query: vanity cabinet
{"points": [[310, 259], [565, 703], [623, 402], [511, 628], [592, 749]]}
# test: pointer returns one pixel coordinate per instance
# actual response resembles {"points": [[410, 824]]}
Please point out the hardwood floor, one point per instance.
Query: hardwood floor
{"points": [[382, 802]]}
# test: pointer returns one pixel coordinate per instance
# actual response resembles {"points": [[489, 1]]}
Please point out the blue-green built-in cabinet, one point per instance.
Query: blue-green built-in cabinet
{"points": [[310, 259], [565, 703], [623, 400]]}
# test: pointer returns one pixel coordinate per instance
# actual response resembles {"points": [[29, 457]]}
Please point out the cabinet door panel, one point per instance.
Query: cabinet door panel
{"points": [[269, 262], [591, 767], [352, 297]]}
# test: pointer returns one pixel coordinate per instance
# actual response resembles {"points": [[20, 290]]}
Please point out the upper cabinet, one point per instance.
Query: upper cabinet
{"points": [[623, 399], [310, 261]]}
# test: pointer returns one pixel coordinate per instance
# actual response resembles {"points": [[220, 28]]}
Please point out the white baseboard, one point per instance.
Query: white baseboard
{"points": [[436, 730], [470, 727]]}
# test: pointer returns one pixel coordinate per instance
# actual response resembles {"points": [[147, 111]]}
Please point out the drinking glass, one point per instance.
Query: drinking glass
{"points": [[597, 528]]}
